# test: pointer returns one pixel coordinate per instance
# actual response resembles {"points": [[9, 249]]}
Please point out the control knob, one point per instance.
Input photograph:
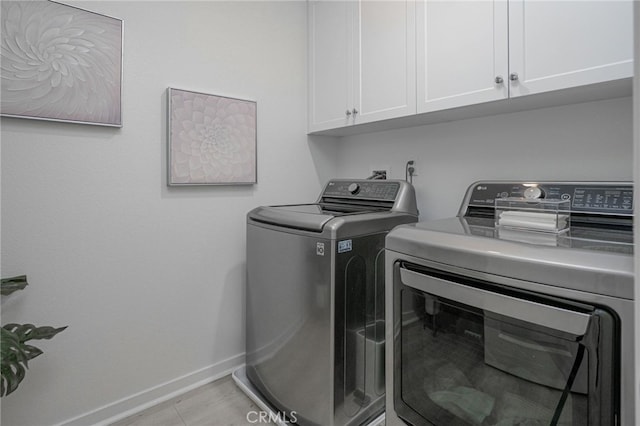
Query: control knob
{"points": [[533, 193], [354, 188]]}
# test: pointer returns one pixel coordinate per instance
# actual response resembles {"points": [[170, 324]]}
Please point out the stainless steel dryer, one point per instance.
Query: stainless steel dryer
{"points": [[315, 301], [495, 325]]}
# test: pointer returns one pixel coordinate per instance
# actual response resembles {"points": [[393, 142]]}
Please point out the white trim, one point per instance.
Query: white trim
{"points": [[636, 168], [140, 401], [240, 378]]}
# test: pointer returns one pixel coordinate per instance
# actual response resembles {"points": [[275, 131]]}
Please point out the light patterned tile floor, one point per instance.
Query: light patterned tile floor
{"points": [[220, 403]]}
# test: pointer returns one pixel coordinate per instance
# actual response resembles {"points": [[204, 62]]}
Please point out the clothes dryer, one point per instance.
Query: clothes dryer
{"points": [[524, 318]]}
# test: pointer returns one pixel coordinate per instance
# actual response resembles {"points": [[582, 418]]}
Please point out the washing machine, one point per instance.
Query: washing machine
{"points": [[510, 315], [315, 302]]}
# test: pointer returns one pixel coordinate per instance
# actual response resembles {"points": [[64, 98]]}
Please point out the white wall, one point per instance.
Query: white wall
{"points": [[589, 141], [149, 279]]}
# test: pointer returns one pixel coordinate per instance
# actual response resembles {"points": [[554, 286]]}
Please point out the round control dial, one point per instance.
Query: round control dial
{"points": [[533, 193], [354, 188]]}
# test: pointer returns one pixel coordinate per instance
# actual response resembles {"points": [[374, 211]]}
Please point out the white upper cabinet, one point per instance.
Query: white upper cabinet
{"points": [[384, 60], [361, 62], [560, 44], [375, 60], [330, 72], [462, 50], [477, 51]]}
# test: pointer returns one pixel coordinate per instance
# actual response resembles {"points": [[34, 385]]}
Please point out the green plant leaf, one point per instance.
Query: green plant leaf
{"points": [[9, 285], [14, 361], [31, 351], [16, 353], [26, 332], [12, 375], [13, 349]]}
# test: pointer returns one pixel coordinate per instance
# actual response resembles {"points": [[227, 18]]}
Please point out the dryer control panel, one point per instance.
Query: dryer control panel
{"points": [[614, 198]]}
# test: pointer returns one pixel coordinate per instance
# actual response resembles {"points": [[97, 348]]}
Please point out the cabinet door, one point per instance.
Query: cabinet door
{"points": [[560, 44], [384, 59], [462, 48], [330, 72]]}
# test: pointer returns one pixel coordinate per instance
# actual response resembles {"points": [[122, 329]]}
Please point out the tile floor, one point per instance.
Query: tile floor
{"points": [[220, 403]]}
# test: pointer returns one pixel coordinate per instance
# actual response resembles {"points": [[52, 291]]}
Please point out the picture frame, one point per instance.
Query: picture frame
{"points": [[61, 63], [211, 139]]}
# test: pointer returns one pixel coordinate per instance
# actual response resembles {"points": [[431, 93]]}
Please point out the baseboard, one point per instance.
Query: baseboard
{"points": [[135, 403]]}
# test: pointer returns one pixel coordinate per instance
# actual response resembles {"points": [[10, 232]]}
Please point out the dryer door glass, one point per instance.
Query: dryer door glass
{"points": [[468, 363]]}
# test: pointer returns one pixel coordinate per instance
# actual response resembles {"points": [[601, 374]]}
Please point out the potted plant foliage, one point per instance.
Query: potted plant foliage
{"points": [[16, 351]]}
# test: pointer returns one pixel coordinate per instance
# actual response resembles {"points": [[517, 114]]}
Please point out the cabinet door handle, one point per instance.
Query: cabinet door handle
{"points": [[513, 76], [348, 113], [355, 111], [499, 80]]}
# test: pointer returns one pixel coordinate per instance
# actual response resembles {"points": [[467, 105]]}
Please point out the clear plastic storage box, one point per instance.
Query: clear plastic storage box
{"points": [[550, 216]]}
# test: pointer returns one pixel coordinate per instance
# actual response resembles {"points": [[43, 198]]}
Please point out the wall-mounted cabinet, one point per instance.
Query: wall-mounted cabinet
{"points": [[462, 49], [361, 62], [362, 68], [471, 52], [559, 44]]}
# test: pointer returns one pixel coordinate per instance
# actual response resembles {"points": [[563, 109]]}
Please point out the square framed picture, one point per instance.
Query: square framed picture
{"points": [[60, 63], [211, 139]]}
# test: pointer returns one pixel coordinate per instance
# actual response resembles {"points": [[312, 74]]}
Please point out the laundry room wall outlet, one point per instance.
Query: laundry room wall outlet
{"points": [[380, 170]]}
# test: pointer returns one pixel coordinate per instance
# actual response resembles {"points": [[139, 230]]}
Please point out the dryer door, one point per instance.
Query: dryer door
{"points": [[474, 352]]}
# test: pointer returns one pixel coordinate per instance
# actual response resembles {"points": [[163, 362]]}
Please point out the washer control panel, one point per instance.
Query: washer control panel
{"points": [[364, 189], [597, 197], [533, 193]]}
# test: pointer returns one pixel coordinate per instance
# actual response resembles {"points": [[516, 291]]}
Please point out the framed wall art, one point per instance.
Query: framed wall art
{"points": [[60, 63], [211, 139]]}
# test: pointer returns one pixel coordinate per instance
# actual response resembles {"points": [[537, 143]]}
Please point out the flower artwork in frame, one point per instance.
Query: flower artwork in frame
{"points": [[211, 139], [60, 63]]}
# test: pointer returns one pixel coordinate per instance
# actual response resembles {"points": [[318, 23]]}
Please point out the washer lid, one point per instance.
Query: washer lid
{"points": [[308, 217]]}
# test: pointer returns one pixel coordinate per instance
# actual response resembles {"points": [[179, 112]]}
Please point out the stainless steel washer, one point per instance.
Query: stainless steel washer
{"points": [[315, 301], [496, 325]]}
